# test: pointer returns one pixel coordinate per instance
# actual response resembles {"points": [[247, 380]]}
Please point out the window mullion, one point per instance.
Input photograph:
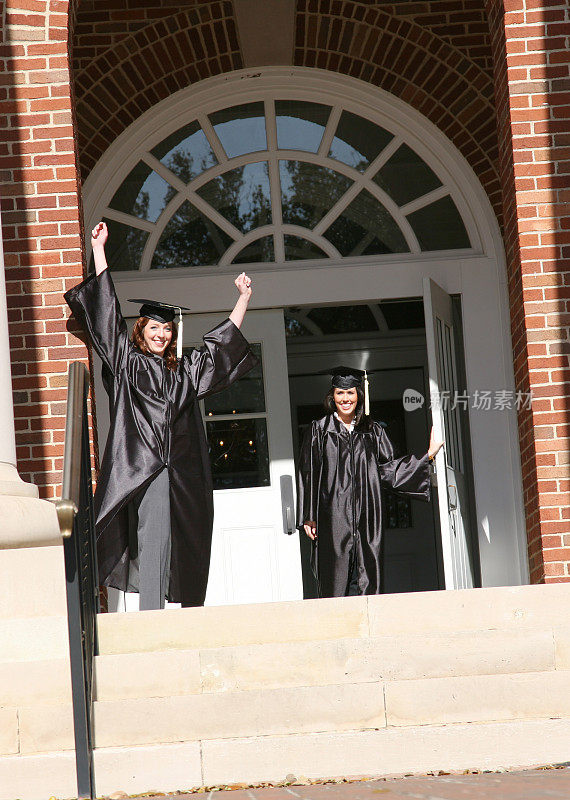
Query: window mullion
{"points": [[330, 131], [274, 181], [212, 137], [164, 172], [424, 200], [213, 215]]}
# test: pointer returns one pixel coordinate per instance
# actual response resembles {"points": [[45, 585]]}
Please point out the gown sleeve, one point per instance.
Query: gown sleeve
{"points": [[407, 475], [224, 357], [95, 307], [308, 476]]}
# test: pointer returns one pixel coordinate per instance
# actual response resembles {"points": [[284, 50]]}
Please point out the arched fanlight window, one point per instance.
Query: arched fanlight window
{"points": [[278, 181]]}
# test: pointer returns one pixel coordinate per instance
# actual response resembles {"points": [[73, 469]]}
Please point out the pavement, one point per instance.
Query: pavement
{"points": [[545, 783]]}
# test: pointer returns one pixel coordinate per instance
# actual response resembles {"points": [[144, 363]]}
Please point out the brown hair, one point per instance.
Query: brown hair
{"points": [[361, 421], [169, 354]]}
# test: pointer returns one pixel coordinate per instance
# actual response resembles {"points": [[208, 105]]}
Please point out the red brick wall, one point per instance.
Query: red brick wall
{"points": [[531, 45], [41, 228]]}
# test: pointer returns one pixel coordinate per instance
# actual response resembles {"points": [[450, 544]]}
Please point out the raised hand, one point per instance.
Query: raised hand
{"points": [[99, 235], [243, 284]]}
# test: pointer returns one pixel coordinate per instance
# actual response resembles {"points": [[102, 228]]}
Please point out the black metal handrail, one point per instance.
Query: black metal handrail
{"points": [[76, 521]]}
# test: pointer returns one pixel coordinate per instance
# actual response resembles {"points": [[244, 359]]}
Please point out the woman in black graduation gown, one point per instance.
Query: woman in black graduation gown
{"points": [[154, 502], [346, 458]]}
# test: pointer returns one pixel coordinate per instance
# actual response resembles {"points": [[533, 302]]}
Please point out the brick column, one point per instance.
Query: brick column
{"points": [[531, 48], [41, 219]]}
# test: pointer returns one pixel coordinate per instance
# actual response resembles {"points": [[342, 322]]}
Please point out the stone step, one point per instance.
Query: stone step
{"points": [[337, 661], [33, 639], [390, 751], [291, 664], [270, 712], [519, 607]]}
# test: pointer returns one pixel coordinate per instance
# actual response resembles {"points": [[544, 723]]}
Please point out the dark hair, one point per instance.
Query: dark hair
{"points": [[169, 354], [361, 421]]}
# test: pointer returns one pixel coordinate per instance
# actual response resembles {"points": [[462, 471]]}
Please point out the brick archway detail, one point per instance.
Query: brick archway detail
{"points": [[412, 63], [145, 68]]}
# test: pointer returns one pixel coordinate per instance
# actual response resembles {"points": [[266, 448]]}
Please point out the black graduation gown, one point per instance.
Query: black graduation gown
{"points": [[340, 488], [155, 425]]}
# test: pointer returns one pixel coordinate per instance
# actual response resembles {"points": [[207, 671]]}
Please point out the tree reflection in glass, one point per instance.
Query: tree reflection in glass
{"points": [[241, 195], [260, 251], [186, 152], [143, 194], [125, 246], [190, 240], [308, 191], [366, 228]]}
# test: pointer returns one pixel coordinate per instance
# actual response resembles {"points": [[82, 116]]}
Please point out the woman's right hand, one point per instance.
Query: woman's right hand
{"points": [[310, 529], [99, 235]]}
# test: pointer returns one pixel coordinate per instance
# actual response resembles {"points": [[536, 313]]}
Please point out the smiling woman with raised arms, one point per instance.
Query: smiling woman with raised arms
{"points": [[346, 459], [153, 502]]}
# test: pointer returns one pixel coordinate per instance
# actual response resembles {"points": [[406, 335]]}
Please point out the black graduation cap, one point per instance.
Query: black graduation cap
{"points": [[163, 312], [344, 377]]}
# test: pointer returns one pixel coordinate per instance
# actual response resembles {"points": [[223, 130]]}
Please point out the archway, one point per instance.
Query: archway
{"points": [[401, 205]]}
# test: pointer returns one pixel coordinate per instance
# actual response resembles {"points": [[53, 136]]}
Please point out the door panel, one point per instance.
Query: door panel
{"points": [[447, 403], [253, 560]]}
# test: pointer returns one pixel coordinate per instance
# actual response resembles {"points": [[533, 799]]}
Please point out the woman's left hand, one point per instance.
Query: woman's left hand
{"points": [[434, 447], [243, 284]]}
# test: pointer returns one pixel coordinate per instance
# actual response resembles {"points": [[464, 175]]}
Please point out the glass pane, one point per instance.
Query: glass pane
{"points": [[297, 249], [293, 327], [190, 240], [300, 125], [439, 226], [406, 176], [343, 319], [125, 246], [238, 453], [186, 152], [308, 191], [241, 195], [143, 194], [402, 315], [241, 129], [245, 396], [358, 141], [366, 228], [261, 250]]}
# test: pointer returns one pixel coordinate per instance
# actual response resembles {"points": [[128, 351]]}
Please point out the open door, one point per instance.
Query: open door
{"points": [[255, 548], [448, 403]]}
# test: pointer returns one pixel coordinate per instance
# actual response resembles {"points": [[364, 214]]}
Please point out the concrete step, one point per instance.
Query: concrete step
{"points": [[520, 607], [389, 751], [33, 639], [337, 661], [269, 712]]}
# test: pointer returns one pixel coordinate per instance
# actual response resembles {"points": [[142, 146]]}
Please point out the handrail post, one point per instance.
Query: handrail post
{"points": [[76, 520]]}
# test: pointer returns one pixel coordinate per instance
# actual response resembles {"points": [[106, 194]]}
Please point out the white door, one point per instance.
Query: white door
{"points": [[249, 431], [447, 403]]}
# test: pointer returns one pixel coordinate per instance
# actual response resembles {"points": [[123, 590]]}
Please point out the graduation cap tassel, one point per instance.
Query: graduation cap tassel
{"points": [[179, 341], [366, 395]]}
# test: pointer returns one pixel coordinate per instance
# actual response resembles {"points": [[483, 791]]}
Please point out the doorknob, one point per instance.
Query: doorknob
{"points": [[287, 504]]}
